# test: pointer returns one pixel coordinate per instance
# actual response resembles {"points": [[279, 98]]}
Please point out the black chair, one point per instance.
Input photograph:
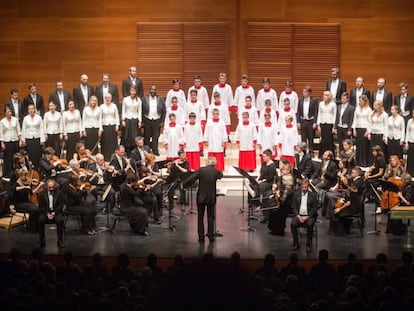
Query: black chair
{"points": [[303, 230], [13, 211], [67, 214], [359, 216], [119, 216]]}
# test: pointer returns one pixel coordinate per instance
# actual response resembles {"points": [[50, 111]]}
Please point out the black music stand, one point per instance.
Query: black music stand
{"points": [[104, 198], [253, 182], [185, 184], [167, 196]]}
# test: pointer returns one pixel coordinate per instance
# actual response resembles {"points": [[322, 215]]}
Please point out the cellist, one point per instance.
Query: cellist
{"points": [[393, 174]]}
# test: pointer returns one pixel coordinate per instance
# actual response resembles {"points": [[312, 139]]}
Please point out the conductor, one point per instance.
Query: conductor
{"points": [[206, 196]]}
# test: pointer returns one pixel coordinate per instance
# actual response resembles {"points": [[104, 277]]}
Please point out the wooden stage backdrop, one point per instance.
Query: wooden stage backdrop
{"points": [[46, 40]]}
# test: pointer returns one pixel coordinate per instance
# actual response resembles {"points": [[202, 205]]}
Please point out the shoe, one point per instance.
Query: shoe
{"points": [[378, 210], [42, 243], [308, 249], [295, 247], [60, 244], [210, 238]]}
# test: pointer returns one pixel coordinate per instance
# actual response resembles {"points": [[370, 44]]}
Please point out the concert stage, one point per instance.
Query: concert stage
{"points": [[251, 244]]}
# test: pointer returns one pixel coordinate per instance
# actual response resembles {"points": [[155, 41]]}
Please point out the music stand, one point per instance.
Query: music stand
{"points": [[170, 188], [253, 182], [104, 197], [185, 184]]}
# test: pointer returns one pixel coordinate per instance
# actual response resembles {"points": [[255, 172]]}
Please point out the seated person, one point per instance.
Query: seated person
{"points": [[303, 161], [265, 180], [51, 202], [176, 169], [80, 201], [326, 176], [375, 172], [132, 205], [349, 205], [305, 211], [49, 166]]}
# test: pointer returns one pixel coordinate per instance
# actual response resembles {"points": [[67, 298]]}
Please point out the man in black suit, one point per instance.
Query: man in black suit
{"points": [[405, 101], [35, 99], [138, 154], [121, 165], [335, 85], [206, 196], [60, 97], [358, 91], [305, 211], [307, 116], [383, 95], [344, 119], [303, 161], [107, 87], [153, 112], [132, 80], [82, 92], [325, 176], [15, 105], [51, 204]]}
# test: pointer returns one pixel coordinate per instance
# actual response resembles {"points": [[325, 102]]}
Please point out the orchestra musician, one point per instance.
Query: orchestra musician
{"points": [[50, 165], [132, 205], [266, 178], [347, 153], [146, 183], [155, 174], [79, 200], [139, 152], [303, 161], [406, 198], [375, 172], [20, 192], [121, 165], [326, 176], [175, 170], [393, 174]]}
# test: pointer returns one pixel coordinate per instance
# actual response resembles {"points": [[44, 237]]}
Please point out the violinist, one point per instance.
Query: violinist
{"points": [[133, 206], [148, 196], [21, 189], [138, 154], [375, 172], [339, 224], [83, 155], [326, 176], [49, 165], [155, 173], [176, 169], [80, 201], [121, 165], [347, 153]]}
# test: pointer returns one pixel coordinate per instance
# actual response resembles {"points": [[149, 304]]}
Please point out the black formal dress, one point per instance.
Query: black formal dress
{"points": [[339, 224], [132, 205], [20, 199], [206, 197], [55, 207]]}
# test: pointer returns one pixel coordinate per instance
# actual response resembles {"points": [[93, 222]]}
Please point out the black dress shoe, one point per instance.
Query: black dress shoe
{"points": [[308, 249], [60, 244], [295, 247]]}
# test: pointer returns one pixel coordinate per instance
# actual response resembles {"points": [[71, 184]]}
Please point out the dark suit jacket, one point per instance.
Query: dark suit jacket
{"points": [[387, 101], [118, 180], [9, 104], [40, 105], [352, 96], [78, 97], [347, 116], [112, 88], [126, 85], [207, 177], [305, 167], [312, 205], [55, 98], [59, 200], [160, 107], [330, 174], [313, 110], [136, 156], [130, 197], [409, 103], [73, 196], [340, 90]]}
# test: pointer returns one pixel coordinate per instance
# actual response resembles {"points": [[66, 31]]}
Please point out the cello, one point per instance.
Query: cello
{"points": [[390, 199]]}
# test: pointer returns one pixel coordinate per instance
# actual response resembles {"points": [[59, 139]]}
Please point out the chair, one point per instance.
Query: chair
{"points": [[359, 216], [13, 211], [305, 229], [119, 216], [67, 214]]}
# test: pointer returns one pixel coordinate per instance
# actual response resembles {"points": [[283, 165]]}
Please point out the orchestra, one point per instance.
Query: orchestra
{"points": [[93, 164]]}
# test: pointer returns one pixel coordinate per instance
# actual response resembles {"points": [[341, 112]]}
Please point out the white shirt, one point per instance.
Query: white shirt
{"points": [[223, 110], [253, 115], [334, 87], [215, 135], [9, 129], [293, 97], [91, 118], [202, 95], [240, 96], [303, 210], [109, 114], [153, 112], [192, 137], [197, 108], [409, 135], [403, 98], [52, 123], [84, 90], [306, 104], [379, 95], [16, 108], [263, 95], [131, 108], [179, 116], [61, 101], [378, 124], [50, 195], [396, 127], [226, 94], [246, 135], [32, 127], [72, 122], [326, 113], [180, 96], [361, 117]]}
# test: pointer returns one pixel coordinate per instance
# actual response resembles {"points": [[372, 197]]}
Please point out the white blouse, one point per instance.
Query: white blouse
{"points": [[32, 127], [109, 114], [131, 108], [361, 117], [326, 113], [9, 129], [72, 122], [91, 118], [52, 123], [409, 135], [396, 127], [378, 124]]}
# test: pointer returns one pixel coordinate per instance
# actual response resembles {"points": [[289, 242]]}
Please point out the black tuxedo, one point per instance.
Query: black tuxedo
{"points": [[352, 96], [330, 176], [54, 97], [112, 88], [312, 213], [152, 127], [305, 166], [58, 203], [20, 112], [117, 180], [387, 100], [409, 105], [206, 197], [127, 83], [306, 125], [136, 158], [344, 124], [341, 89], [39, 105], [78, 97]]}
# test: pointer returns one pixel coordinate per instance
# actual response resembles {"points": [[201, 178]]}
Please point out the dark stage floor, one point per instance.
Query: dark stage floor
{"points": [[251, 245]]}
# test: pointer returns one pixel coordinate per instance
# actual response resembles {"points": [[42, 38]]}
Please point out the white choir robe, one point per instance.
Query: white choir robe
{"points": [[173, 137], [267, 137], [202, 95], [224, 113], [246, 137], [180, 96], [282, 117], [263, 95], [197, 108], [179, 116], [215, 134], [294, 100], [226, 94], [273, 117], [240, 96], [253, 114], [192, 137], [288, 138]]}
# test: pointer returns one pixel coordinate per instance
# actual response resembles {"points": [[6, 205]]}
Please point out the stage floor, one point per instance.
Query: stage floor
{"points": [[251, 245]]}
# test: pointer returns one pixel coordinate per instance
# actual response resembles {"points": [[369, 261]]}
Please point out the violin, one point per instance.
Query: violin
{"points": [[86, 156], [63, 163]]}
